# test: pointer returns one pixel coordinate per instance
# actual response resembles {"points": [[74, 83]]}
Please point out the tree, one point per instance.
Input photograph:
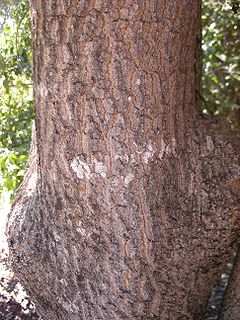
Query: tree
{"points": [[128, 209]]}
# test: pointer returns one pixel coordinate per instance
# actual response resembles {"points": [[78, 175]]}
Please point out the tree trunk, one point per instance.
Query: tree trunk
{"points": [[124, 212]]}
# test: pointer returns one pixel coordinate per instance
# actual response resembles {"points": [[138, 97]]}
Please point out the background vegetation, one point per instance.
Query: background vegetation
{"points": [[221, 59], [220, 93], [16, 102]]}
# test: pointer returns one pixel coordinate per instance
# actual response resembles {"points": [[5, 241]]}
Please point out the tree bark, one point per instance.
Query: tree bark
{"points": [[125, 211]]}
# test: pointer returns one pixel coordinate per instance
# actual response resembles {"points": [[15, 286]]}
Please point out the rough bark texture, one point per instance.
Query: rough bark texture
{"points": [[125, 211]]}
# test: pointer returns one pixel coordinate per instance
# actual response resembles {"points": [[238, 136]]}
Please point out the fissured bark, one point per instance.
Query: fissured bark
{"points": [[124, 212]]}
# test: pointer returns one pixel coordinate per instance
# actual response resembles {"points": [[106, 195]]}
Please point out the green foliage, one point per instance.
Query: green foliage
{"points": [[221, 60], [16, 104], [5, 10]]}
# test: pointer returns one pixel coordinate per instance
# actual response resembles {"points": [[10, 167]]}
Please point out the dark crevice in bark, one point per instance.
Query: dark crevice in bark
{"points": [[216, 299], [231, 302]]}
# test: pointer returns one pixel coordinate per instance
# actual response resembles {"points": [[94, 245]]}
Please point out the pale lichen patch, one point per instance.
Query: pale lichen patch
{"points": [[162, 149], [167, 148], [100, 168], [147, 155], [129, 177], [85, 170], [122, 157], [69, 306], [56, 236], [63, 281], [81, 168], [80, 229]]}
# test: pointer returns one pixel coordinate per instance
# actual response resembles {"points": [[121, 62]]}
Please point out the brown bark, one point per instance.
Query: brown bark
{"points": [[124, 213]]}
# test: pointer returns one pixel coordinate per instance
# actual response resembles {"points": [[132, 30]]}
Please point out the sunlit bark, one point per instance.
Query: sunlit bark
{"points": [[125, 211]]}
